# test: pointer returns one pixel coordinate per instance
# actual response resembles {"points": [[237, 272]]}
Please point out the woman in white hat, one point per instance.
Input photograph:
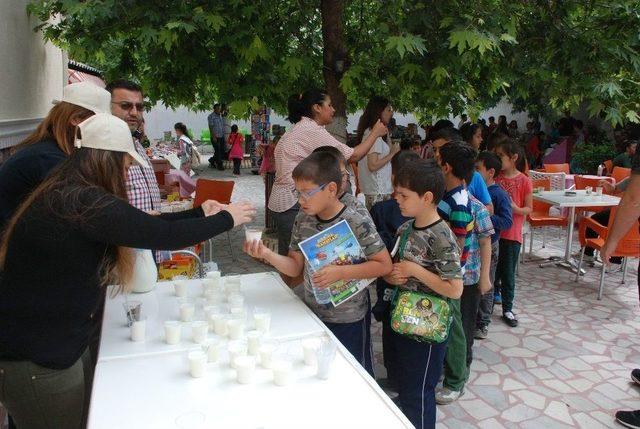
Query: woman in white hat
{"points": [[49, 145], [69, 239]]}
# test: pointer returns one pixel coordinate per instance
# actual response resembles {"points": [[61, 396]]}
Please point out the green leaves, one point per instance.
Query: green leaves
{"points": [[408, 44]]}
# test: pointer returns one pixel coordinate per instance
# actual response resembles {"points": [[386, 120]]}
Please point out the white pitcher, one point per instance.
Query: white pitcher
{"points": [[145, 272]]}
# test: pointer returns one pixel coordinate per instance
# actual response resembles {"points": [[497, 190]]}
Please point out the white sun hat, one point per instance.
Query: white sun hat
{"points": [[107, 132], [87, 95]]}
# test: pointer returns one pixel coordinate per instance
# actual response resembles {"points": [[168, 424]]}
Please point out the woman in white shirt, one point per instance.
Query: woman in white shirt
{"points": [[185, 147], [374, 170]]}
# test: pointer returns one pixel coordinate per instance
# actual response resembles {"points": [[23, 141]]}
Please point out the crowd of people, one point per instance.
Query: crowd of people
{"points": [[440, 220]]}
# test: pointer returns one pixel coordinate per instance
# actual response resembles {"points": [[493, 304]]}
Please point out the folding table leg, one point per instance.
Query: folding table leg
{"points": [[601, 288], [580, 264]]}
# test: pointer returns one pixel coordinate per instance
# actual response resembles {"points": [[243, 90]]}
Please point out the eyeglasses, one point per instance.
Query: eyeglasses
{"points": [[307, 195], [127, 105]]}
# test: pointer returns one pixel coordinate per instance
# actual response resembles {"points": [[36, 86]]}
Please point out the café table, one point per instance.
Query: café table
{"points": [[148, 385], [580, 198]]}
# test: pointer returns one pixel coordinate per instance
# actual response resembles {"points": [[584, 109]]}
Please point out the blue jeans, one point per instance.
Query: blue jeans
{"points": [[419, 366]]}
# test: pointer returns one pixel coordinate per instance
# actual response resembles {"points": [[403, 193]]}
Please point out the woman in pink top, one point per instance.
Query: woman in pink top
{"points": [[519, 188], [309, 112], [236, 153]]}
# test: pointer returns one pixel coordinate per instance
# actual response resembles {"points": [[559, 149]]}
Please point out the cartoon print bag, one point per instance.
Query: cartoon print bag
{"points": [[420, 316]]}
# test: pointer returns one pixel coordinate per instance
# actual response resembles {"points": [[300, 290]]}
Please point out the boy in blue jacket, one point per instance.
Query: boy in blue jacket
{"points": [[489, 165]]}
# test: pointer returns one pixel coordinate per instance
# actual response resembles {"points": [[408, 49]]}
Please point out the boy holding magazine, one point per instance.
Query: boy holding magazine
{"points": [[318, 181]]}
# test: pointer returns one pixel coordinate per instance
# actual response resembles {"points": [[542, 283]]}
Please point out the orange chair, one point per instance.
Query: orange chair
{"points": [[539, 216], [628, 247], [556, 168], [354, 167], [620, 173], [219, 190], [608, 164], [582, 182]]}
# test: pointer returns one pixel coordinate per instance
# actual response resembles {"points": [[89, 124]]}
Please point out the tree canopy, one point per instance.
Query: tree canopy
{"points": [[430, 57]]}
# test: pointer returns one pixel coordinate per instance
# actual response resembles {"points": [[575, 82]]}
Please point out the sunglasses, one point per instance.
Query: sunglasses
{"points": [[307, 195], [127, 105]]}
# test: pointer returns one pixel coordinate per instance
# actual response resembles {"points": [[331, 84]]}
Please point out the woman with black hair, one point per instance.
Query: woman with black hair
{"points": [[309, 112], [185, 146]]}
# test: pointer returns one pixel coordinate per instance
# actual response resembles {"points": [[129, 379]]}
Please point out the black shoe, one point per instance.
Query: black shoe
{"points": [[630, 419], [510, 319], [635, 376]]}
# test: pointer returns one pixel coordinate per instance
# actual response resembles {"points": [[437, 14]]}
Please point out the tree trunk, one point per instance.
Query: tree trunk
{"points": [[334, 49]]}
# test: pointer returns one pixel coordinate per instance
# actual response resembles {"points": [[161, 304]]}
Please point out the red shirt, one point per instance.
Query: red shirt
{"points": [[518, 188]]}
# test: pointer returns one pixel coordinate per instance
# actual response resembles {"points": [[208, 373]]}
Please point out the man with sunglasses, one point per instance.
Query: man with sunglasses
{"points": [[127, 104]]}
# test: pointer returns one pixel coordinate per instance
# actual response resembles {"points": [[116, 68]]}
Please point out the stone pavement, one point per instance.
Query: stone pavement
{"points": [[566, 365]]}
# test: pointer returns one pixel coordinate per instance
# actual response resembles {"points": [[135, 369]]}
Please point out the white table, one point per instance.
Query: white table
{"points": [[289, 316], [147, 385], [581, 199]]}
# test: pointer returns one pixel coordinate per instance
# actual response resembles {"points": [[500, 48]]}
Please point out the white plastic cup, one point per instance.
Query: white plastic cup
{"points": [[253, 342], [599, 191], [252, 233], [282, 372], [262, 320], [138, 328], [214, 275], [239, 313], [232, 285], [235, 326], [219, 324], [588, 190], [209, 285], [236, 349], [245, 369], [199, 331], [180, 287], [197, 363], [309, 348], [235, 300], [132, 311], [187, 310], [215, 297], [213, 348], [325, 355], [266, 355], [172, 330]]}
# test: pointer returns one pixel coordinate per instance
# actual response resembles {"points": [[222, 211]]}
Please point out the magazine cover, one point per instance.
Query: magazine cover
{"points": [[336, 245]]}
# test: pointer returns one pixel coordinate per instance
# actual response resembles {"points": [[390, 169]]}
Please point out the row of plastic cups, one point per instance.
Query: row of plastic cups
{"points": [[212, 283]]}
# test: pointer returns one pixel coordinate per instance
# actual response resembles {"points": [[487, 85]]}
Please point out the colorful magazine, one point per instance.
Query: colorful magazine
{"points": [[336, 245]]}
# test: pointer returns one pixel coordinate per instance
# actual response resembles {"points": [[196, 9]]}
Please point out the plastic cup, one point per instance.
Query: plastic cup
{"points": [[309, 348], [232, 285], [197, 363], [235, 300], [588, 190], [214, 275], [172, 330], [187, 310], [132, 311], [138, 328], [209, 285], [239, 312], [199, 331], [236, 349], [262, 320], [252, 233], [266, 354], [235, 326], [180, 287], [213, 348], [253, 342], [245, 369], [599, 191], [325, 355], [215, 297], [219, 324], [282, 372]]}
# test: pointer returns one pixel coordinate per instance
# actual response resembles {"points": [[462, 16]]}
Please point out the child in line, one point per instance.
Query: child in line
{"points": [[317, 179], [387, 217], [457, 162], [236, 151], [519, 188], [488, 166], [430, 264]]}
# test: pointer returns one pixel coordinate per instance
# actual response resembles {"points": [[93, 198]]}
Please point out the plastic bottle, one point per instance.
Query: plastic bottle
{"points": [[601, 169]]}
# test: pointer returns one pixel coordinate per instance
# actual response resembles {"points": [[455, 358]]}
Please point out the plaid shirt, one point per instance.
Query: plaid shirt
{"points": [[294, 146], [142, 187], [482, 228]]}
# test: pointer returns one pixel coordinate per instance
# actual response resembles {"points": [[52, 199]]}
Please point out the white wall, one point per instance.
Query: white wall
{"points": [[161, 119], [32, 73]]}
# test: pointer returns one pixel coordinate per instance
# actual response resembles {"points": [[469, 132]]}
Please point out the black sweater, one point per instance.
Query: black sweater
{"points": [[49, 291]]}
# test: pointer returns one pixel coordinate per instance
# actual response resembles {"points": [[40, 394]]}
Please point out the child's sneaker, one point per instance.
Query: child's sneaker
{"points": [[481, 333], [635, 376], [510, 319], [446, 396], [630, 419]]}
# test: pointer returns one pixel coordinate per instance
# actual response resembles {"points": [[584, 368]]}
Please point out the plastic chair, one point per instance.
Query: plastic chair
{"points": [[558, 180], [628, 247], [620, 173], [219, 190], [582, 182], [556, 168], [608, 164], [205, 136], [539, 216]]}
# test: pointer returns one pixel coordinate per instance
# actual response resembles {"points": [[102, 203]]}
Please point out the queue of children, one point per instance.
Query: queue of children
{"points": [[447, 241]]}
